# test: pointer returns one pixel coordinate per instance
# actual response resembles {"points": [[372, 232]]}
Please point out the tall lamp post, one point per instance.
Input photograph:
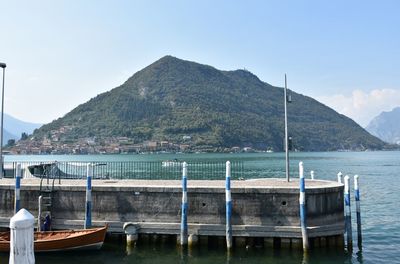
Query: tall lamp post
{"points": [[3, 66], [288, 99]]}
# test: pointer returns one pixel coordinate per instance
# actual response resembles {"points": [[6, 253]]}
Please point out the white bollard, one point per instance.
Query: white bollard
{"points": [[339, 177], [21, 240]]}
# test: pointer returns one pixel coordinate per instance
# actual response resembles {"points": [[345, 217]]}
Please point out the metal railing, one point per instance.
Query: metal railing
{"points": [[151, 170]]}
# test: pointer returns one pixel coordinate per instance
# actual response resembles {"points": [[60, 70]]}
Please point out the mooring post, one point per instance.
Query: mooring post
{"points": [[21, 238], [302, 201], [88, 208], [17, 188], [339, 177], [348, 212], [312, 175], [358, 210], [228, 198], [184, 225]]}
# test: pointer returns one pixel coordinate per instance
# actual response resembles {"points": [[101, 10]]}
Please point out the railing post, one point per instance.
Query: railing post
{"points": [[358, 210], [228, 198], [302, 201], [348, 213], [88, 208], [184, 225], [17, 188]]}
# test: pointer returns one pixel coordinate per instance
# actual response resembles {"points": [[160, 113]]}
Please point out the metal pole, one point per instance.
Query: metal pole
{"points": [[39, 218], [286, 134], [2, 65]]}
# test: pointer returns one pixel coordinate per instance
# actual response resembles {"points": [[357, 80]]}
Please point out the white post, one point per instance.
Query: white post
{"points": [[21, 240], [348, 213], [312, 175], [339, 177], [228, 201], [358, 210], [184, 224], [303, 209], [88, 207]]}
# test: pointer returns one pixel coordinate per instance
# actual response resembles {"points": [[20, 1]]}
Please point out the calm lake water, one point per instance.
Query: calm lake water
{"points": [[380, 207]]}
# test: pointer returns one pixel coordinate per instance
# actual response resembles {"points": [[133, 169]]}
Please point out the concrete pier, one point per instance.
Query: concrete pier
{"points": [[264, 208]]}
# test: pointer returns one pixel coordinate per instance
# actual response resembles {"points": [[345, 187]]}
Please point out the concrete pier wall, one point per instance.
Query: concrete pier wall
{"points": [[261, 208]]}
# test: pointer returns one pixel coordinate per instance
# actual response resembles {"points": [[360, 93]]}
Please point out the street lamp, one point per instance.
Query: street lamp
{"points": [[3, 66], [287, 99]]}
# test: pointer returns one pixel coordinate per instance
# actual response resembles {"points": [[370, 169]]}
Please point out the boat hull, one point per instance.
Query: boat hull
{"points": [[62, 240]]}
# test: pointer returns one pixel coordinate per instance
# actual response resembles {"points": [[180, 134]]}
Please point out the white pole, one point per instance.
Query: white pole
{"points": [[88, 207], [358, 210], [228, 200], [21, 240], [339, 177], [348, 213], [17, 200], [184, 224], [303, 209]]}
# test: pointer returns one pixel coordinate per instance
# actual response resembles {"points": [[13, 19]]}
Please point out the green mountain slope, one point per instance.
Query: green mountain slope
{"points": [[172, 98]]}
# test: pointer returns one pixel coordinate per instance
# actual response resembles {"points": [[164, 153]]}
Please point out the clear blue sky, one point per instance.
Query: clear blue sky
{"points": [[62, 53]]}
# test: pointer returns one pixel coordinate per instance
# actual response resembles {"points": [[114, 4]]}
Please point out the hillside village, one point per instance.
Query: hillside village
{"points": [[55, 143]]}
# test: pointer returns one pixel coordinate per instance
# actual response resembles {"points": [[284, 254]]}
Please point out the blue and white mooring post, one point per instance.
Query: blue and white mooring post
{"points": [[228, 198], [302, 201], [348, 212], [339, 177], [88, 208], [184, 224], [17, 198], [358, 210]]}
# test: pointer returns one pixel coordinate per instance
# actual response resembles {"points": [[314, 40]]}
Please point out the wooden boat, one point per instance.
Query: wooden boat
{"points": [[62, 240]]}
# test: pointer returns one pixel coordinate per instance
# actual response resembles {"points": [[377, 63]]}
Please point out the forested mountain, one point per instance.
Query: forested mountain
{"points": [[386, 126], [173, 98]]}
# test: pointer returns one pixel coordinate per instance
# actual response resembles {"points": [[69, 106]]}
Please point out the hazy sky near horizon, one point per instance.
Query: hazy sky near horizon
{"points": [[59, 54]]}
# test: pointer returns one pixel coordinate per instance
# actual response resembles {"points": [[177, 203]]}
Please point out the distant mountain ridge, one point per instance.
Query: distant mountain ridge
{"points": [[13, 127], [386, 126], [174, 98]]}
